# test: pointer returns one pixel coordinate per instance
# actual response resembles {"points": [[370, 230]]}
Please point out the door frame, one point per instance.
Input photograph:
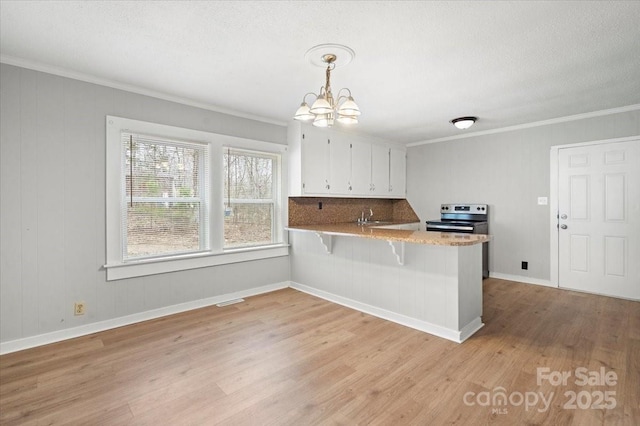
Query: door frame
{"points": [[554, 170]]}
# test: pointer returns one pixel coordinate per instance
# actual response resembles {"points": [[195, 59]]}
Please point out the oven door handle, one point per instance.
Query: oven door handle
{"points": [[450, 228]]}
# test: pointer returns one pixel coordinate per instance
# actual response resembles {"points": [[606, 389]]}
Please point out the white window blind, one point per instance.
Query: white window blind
{"points": [[250, 194], [165, 196]]}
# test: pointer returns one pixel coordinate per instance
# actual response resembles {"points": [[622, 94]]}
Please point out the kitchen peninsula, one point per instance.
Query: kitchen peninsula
{"points": [[430, 281]]}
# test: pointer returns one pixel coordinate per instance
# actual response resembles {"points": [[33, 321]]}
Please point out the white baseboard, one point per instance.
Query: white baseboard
{"points": [[70, 333], [468, 330], [427, 327], [522, 279]]}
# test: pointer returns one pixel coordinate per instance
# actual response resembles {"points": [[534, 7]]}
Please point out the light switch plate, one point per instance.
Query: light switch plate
{"points": [[542, 201]]}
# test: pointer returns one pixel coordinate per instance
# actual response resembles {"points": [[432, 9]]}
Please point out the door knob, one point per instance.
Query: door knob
{"points": [[563, 226], [564, 216]]}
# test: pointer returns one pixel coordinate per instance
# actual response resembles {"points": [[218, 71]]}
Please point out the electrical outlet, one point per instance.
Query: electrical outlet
{"points": [[525, 265], [78, 308]]}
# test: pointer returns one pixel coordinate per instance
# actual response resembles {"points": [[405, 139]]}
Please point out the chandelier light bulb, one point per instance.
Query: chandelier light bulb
{"points": [[323, 120], [347, 119], [349, 107], [303, 113], [321, 106]]}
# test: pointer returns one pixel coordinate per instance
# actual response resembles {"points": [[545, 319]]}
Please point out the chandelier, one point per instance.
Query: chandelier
{"points": [[326, 109]]}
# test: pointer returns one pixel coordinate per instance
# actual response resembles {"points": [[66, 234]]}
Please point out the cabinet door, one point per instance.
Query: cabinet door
{"points": [[397, 172], [379, 171], [360, 168], [315, 162], [340, 165]]}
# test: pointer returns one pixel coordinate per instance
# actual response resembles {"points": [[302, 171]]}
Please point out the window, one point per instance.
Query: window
{"points": [[250, 198], [165, 196], [180, 199]]}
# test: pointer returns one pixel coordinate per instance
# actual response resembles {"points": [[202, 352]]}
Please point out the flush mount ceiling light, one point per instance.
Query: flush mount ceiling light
{"points": [[326, 109], [463, 122]]}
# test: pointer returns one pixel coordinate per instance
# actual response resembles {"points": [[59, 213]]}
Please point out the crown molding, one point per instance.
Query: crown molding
{"points": [[63, 72], [568, 118], [87, 78]]}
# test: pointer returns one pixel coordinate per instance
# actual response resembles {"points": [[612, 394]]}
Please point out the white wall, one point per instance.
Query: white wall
{"points": [[508, 171], [52, 199]]}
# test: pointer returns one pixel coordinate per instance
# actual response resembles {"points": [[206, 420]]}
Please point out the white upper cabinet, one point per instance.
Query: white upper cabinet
{"points": [[397, 172], [360, 168], [340, 164], [326, 162], [379, 170], [316, 151]]}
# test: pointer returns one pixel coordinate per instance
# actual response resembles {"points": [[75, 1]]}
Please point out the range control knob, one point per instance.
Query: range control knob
{"points": [[478, 208]]}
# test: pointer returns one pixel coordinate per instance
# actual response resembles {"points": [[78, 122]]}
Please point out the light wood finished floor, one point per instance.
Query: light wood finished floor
{"points": [[287, 358]]}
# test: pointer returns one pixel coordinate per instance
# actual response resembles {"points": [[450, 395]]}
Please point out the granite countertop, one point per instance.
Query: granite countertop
{"points": [[375, 232]]}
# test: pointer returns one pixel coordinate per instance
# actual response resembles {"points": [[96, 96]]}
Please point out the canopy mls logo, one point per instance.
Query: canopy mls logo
{"points": [[499, 399]]}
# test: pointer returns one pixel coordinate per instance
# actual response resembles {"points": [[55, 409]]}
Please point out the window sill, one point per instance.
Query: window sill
{"points": [[119, 271]]}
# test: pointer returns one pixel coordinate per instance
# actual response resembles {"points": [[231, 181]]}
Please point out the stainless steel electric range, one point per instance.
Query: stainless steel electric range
{"points": [[466, 219]]}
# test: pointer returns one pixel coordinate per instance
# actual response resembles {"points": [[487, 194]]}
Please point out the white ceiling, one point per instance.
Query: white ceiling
{"points": [[417, 64]]}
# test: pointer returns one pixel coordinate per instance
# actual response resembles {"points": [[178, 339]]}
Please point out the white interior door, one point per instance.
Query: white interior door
{"points": [[599, 218]]}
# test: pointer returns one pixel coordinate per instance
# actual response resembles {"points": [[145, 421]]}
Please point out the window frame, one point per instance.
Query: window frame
{"points": [[204, 199], [118, 268], [276, 228]]}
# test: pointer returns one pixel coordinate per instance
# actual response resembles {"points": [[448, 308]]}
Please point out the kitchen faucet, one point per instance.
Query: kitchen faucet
{"points": [[362, 218]]}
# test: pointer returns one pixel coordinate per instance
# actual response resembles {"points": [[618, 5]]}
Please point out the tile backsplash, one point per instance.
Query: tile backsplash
{"points": [[306, 210]]}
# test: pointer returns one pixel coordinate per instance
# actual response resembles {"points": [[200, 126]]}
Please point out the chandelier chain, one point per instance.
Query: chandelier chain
{"points": [[327, 86]]}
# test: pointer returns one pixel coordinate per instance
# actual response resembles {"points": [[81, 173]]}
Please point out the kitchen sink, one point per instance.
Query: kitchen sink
{"points": [[375, 222], [414, 226]]}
